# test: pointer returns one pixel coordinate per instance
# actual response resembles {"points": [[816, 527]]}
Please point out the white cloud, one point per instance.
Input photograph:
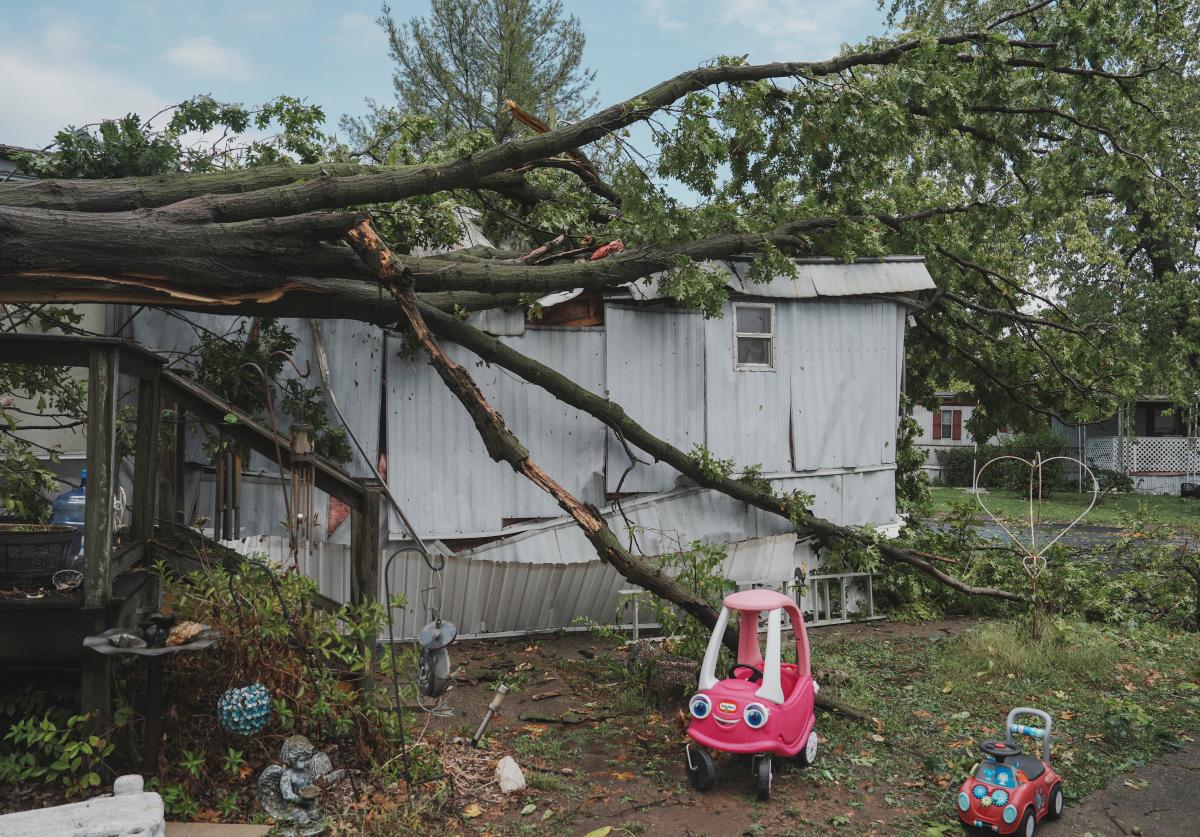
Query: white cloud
{"points": [[205, 58], [789, 25], [357, 31], [51, 82], [663, 14]]}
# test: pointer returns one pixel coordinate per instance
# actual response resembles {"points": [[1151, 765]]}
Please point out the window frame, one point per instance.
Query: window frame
{"points": [[946, 429], [768, 336]]}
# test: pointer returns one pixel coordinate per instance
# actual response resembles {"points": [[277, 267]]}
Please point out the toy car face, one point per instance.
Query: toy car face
{"points": [[998, 795], [731, 717]]}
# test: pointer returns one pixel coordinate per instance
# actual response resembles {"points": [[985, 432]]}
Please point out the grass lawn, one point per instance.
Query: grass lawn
{"points": [[1118, 698], [1062, 507]]}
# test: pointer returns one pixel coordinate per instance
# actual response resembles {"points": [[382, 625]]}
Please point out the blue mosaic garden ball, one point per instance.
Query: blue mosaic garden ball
{"points": [[245, 710]]}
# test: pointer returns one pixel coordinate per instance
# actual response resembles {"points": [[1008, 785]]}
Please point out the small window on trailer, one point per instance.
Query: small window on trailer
{"points": [[947, 424], [754, 336]]}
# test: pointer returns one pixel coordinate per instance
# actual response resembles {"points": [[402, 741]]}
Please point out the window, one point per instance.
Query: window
{"points": [[754, 336], [947, 424]]}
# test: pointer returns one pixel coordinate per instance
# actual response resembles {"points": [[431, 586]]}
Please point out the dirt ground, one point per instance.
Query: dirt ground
{"points": [[626, 772]]}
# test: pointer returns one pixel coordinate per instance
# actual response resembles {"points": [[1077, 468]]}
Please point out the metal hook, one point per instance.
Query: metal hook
{"points": [[291, 360]]}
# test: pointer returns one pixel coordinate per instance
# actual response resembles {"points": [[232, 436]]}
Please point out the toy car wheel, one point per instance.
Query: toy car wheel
{"points": [[762, 772], [1055, 809], [809, 754], [701, 769], [1028, 824]]}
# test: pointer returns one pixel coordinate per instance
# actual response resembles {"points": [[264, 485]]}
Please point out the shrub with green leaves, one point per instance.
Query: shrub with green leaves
{"points": [[47, 743]]}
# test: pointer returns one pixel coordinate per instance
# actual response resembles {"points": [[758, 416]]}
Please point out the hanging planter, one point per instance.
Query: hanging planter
{"points": [[30, 553], [245, 710]]}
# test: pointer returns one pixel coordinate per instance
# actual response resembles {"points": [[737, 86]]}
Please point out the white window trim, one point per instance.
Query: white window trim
{"points": [[754, 367], [943, 424]]}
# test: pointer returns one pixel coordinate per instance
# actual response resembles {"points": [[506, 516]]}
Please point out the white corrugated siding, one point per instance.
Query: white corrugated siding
{"points": [[746, 412], [655, 370], [439, 469]]}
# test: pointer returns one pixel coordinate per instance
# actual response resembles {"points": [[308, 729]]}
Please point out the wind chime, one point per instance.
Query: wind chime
{"points": [[1033, 558], [228, 464], [304, 476]]}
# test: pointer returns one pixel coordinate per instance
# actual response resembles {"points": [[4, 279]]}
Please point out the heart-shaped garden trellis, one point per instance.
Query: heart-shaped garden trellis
{"points": [[1033, 559]]}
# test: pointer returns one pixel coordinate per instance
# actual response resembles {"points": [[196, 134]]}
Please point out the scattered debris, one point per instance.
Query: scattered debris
{"points": [[509, 776]]}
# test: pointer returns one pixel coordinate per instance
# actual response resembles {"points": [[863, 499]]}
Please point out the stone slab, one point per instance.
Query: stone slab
{"points": [[127, 815]]}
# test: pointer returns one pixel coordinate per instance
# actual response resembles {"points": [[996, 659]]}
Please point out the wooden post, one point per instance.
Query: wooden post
{"points": [[102, 477], [179, 463], [145, 464], [96, 674], [365, 534]]}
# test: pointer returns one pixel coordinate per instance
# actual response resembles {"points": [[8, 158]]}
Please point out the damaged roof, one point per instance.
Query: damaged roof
{"points": [[890, 276]]}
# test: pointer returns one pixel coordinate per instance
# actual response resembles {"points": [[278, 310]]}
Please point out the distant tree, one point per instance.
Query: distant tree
{"points": [[467, 57]]}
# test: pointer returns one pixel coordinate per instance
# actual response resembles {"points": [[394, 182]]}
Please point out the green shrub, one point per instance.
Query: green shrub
{"points": [[959, 465], [48, 743]]}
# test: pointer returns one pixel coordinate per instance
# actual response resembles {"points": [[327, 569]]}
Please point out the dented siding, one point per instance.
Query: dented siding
{"points": [[440, 471]]}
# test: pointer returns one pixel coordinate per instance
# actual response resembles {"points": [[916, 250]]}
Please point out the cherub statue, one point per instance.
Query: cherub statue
{"points": [[289, 791]]}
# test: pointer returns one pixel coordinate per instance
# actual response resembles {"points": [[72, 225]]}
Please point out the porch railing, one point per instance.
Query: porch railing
{"points": [[1144, 453]]}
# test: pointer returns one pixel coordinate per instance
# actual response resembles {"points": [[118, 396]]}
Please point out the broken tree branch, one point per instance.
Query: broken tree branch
{"points": [[615, 417], [503, 446]]}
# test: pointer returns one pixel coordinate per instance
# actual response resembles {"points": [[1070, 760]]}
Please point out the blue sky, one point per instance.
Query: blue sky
{"points": [[78, 62]]}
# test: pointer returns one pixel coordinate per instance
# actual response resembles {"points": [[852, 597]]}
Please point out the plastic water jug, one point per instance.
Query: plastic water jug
{"points": [[68, 509]]}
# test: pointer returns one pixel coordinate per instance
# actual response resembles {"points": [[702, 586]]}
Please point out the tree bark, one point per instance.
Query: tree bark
{"points": [[129, 193]]}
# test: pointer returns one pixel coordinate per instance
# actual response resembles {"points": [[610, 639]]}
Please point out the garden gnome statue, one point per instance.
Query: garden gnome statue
{"points": [[289, 791]]}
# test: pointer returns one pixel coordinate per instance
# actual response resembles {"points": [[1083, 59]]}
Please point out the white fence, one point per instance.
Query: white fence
{"points": [[1144, 453]]}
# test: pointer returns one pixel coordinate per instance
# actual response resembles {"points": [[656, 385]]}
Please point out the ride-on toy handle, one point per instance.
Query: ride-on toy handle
{"points": [[1044, 733]]}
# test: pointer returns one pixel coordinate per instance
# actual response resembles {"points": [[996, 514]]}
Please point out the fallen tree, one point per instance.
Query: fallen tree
{"points": [[937, 142]]}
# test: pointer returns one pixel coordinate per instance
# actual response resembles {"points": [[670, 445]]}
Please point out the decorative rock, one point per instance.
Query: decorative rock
{"points": [[245, 710], [130, 783], [127, 815], [509, 775]]}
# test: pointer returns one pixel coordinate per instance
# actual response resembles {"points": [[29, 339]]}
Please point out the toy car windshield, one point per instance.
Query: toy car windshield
{"points": [[996, 774]]}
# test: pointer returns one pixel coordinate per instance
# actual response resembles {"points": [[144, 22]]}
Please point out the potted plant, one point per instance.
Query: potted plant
{"points": [[31, 550]]}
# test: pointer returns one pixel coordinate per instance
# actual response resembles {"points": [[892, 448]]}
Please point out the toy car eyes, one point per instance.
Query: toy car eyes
{"points": [[1000, 797], [979, 791], [701, 706], [756, 715]]}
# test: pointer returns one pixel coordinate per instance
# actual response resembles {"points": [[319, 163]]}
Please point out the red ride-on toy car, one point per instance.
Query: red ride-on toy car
{"points": [[764, 707], [1010, 792]]}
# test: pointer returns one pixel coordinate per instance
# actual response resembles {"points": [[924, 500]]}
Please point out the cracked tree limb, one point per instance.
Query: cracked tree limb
{"points": [[611, 414]]}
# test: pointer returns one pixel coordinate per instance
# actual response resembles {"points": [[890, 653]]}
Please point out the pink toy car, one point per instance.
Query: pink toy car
{"points": [[764, 707]]}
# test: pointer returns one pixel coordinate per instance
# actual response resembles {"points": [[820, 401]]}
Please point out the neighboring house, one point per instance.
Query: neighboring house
{"points": [[800, 377], [1151, 439], [944, 428]]}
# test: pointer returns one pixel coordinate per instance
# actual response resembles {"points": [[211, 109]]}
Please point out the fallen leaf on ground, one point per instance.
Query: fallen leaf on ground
{"points": [[472, 811], [602, 831]]}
